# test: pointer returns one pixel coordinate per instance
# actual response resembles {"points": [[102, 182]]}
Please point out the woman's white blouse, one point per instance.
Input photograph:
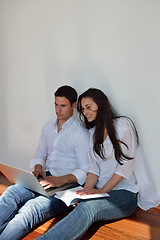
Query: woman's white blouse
{"points": [[135, 178]]}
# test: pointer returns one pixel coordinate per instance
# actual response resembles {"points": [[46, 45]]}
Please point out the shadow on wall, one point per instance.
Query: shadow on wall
{"points": [[3, 114]]}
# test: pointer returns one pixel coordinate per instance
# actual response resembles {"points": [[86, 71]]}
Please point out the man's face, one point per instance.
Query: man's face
{"points": [[63, 108]]}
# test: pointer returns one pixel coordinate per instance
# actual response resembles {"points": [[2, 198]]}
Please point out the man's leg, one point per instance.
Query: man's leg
{"points": [[33, 212], [11, 200], [120, 204]]}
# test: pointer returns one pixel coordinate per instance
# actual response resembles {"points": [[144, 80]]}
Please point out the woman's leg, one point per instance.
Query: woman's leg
{"points": [[120, 204]]}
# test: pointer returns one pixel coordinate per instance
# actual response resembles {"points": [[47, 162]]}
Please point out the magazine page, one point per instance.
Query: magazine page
{"points": [[70, 196]]}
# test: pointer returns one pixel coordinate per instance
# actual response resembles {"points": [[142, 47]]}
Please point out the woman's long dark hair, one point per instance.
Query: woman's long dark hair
{"points": [[104, 120]]}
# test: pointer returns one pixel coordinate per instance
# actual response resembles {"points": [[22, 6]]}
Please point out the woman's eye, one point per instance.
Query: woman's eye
{"points": [[86, 108]]}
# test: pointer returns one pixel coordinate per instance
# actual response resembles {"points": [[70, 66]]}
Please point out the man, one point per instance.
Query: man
{"points": [[62, 152]]}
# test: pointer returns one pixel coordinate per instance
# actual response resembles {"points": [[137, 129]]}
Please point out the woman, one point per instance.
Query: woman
{"points": [[115, 168]]}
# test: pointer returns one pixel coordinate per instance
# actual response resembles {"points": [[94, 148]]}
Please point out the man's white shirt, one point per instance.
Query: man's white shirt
{"points": [[64, 152]]}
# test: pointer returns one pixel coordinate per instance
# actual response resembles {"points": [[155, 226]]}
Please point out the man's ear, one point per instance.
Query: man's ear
{"points": [[74, 105]]}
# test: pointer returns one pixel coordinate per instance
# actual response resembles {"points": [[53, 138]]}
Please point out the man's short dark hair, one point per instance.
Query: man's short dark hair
{"points": [[68, 92]]}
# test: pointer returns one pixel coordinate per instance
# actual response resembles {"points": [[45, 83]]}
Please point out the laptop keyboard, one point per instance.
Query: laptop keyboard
{"points": [[50, 189]]}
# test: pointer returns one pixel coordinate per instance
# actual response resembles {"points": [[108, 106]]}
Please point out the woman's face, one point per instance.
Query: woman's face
{"points": [[89, 108]]}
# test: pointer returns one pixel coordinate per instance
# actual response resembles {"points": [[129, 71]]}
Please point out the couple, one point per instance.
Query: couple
{"points": [[105, 159]]}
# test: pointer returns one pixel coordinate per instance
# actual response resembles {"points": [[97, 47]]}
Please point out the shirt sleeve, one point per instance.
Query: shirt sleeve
{"points": [[81, 149], [41, 152], [93, 165], [129, 139]]}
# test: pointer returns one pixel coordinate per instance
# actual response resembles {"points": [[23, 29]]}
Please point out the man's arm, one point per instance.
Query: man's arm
{"points": [[38, 162], [53, 181]]}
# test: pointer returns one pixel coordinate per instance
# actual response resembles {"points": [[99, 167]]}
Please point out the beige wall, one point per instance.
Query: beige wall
{"points": [[113, 45]]}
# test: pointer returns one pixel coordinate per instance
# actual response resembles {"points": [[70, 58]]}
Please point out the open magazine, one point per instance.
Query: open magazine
{"points": [[70, 197]]}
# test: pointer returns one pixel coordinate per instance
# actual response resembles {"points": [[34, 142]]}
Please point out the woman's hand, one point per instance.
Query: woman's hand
{"points": [[90, 190]]}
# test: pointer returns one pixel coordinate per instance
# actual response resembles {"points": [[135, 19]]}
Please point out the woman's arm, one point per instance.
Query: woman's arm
{"points": [[89, 185], [112, 182], [91, 180]]}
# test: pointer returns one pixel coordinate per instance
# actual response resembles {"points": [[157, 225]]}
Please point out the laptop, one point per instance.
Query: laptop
{"points": [[28, 180]]}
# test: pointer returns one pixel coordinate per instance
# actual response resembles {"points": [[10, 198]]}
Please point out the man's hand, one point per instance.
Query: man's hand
{"points": [[38, 171], [52, 181]]}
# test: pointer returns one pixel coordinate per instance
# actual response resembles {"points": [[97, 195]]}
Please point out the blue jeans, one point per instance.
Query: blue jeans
{"points": [[22, 209], [120, 204]]}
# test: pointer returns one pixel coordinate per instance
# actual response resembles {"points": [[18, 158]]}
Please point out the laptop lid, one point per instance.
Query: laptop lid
{"points": [[27, 179]]}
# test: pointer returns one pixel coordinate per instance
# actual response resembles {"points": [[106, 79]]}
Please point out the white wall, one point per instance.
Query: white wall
{"points": [[113, 45]]}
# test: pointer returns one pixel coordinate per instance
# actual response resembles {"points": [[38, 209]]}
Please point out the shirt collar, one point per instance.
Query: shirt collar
{"points": [[67, 123]]}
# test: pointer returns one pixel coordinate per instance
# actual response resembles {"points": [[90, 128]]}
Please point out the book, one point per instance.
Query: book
{"points": [[70, 196]]}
